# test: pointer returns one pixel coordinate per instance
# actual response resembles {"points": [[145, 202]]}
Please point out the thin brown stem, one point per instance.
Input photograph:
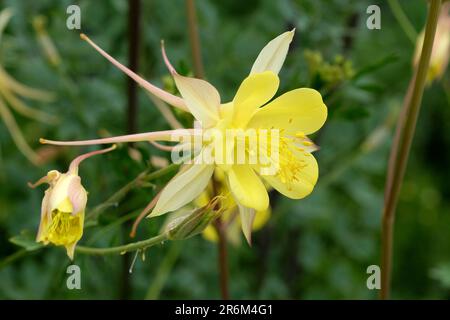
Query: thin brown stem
{"points": [[218, 224], [194, 39], [133, 58], [402, 145], [132, 111], [143, 214]]}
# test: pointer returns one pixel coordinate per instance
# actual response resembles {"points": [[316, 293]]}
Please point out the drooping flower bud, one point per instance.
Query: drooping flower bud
{"points": [[187, 224], [63, 206], [441, 47]]}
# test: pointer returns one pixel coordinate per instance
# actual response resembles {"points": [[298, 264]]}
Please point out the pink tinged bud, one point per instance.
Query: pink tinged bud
{"points": [[63, 206], [77, 195], [62, 211], [441, 47]]}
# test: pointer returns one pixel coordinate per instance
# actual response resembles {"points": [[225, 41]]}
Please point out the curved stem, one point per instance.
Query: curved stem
{"points": [[166, 112], [13, 257], [122, 192], [403, 20], [200, 73], [164, 269], [143, 214], [17, 135], [24, 109], [76, 162], [139, 245], [402, 145]]}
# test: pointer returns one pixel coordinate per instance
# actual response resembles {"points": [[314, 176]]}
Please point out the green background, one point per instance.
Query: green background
{"points": [[319, 247]]}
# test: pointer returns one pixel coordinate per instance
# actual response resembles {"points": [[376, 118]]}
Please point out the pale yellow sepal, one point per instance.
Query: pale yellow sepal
{"points": [[201, 98], [247, 217], [183, 188], [272, 56]]}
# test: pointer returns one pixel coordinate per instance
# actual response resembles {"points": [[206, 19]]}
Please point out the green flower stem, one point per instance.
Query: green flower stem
{"points": [[13, 257], [122, 192], [139, 245], [402, 145], [403, 20], [17, 135], [164, 269]]}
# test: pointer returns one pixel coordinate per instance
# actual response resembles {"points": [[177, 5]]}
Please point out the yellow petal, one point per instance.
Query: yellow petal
{"points": [[261, 219], [299, 183], [59, 197], [183, 188], [210, 234], [247, 187], [65, 206], [226, 111], [70, 249], [247, 218], [203, 199], [201, 98], [44, 217], [272, 56], [77, 195], [297, 110], [256, 90]]}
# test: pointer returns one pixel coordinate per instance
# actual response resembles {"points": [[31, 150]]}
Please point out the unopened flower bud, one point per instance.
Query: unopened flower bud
{"points": [[441, 47], [63, 206], [191, 223]]}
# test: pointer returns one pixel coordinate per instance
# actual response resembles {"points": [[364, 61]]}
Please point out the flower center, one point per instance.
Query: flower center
{"points": [[289, 160], [64, 228]]}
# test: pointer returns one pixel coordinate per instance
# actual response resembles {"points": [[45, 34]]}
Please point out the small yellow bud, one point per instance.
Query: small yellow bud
{"points": [[63, 206], [62, 212], [441, 47]]}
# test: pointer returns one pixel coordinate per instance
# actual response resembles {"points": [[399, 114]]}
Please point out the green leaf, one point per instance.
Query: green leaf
{"points": [[26, 240], [390, 58]]}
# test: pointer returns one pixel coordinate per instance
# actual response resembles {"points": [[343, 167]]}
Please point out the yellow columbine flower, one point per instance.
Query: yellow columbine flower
{"points": [[63, 206], [295, 114], [441, 47]]}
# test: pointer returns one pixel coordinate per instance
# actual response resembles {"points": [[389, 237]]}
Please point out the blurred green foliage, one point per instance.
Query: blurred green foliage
{"points": [[319, 247]]}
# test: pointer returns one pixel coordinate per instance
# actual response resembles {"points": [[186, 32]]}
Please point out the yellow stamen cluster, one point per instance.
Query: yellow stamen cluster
{"points": [[64, 228], [289, 165]]}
